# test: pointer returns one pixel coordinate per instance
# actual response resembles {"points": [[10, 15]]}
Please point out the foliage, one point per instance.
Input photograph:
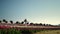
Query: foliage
{"points": [[9, 31], [15, 31], [11, 22]]}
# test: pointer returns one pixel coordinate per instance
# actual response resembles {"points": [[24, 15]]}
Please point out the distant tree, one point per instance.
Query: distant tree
{"points": [[44, 24], [17, 22], [0, 21], [47, 24], [22, 22], [25, 21], [4, 20], [40, 23], [11, 22], [31, 23], [36, 24]]}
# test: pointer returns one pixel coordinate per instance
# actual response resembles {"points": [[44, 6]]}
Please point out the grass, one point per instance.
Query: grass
{"points": [[49, 32], [15, 31]]}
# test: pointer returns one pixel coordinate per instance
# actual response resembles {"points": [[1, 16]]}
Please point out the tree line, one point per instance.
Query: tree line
{"points": [[24, 22]]}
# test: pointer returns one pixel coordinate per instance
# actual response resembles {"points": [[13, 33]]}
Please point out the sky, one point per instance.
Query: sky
{"points": [[36, 11]]}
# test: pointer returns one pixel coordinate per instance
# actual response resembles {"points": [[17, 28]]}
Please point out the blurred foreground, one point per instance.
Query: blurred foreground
{"points": [[16, 31]]}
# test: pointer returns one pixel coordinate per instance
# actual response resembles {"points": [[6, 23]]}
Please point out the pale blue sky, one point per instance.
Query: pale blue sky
{"points": [[45, 11]]}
